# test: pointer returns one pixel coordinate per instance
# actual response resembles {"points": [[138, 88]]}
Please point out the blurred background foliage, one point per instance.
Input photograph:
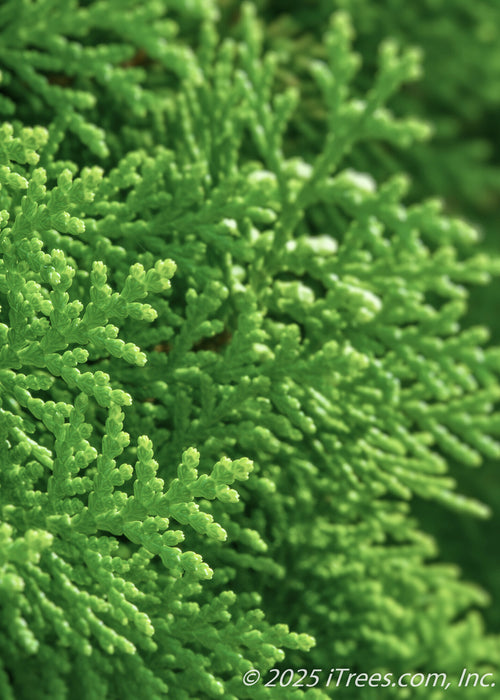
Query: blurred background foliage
{"points": [[459, 96]]}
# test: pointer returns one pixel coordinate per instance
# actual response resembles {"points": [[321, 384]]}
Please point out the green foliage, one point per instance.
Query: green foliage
{"points": [[457, 96], [457, 92], [229, 360]]}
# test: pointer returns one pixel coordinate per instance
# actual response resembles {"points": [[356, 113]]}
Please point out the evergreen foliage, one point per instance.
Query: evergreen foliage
{"points": [[229, 359], [457, 92]]}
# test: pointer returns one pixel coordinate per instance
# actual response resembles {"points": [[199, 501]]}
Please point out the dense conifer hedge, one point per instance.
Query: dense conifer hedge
{"points": [[236, 251]]}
